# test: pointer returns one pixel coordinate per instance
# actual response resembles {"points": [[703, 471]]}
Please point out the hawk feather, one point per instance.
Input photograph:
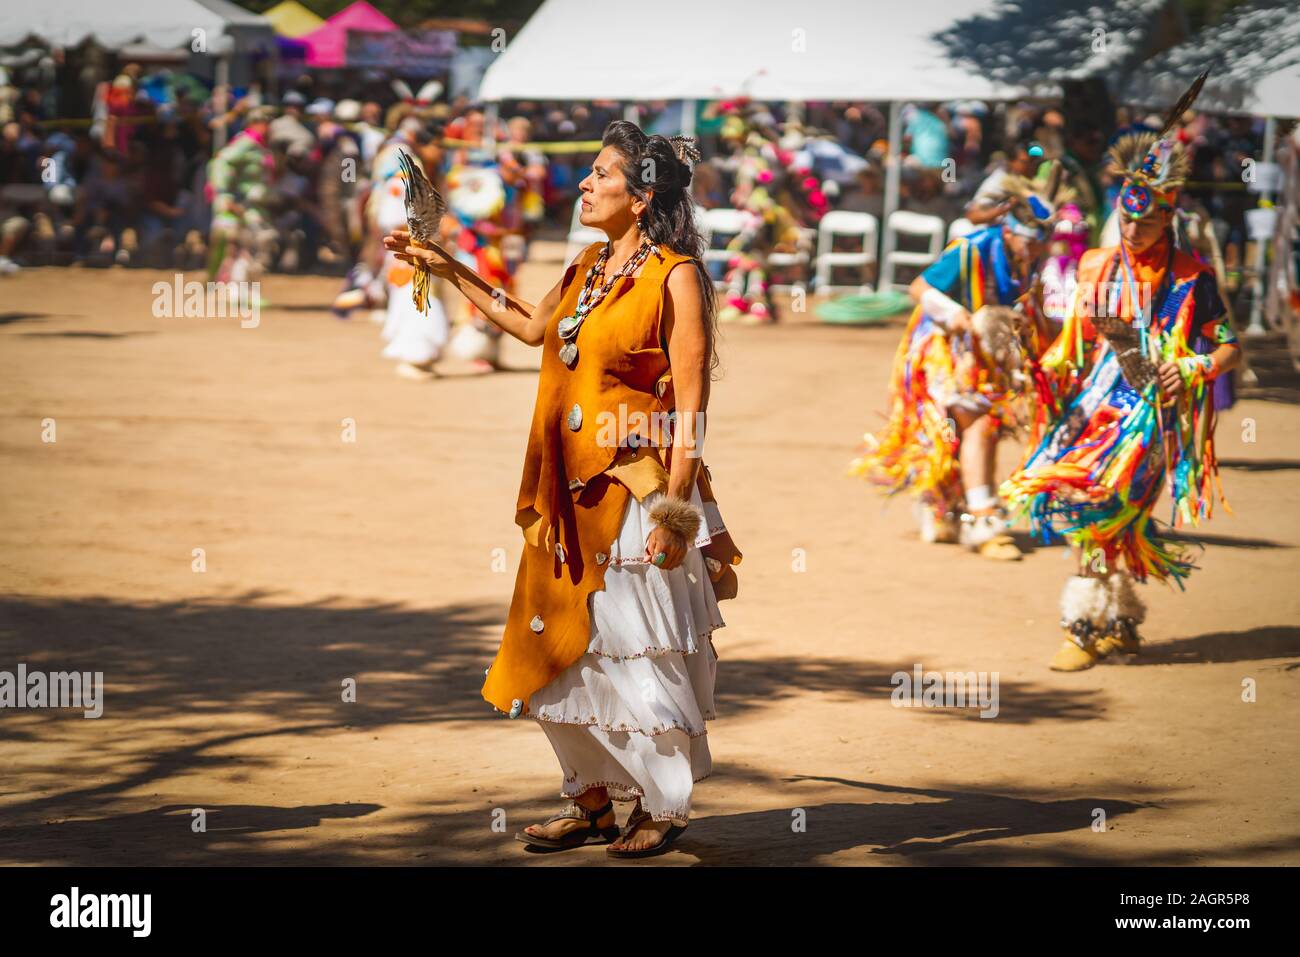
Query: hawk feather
{"points": [[424, 210]]}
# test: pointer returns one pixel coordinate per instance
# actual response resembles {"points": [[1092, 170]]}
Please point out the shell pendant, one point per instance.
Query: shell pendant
{"points": [[568, 326]]}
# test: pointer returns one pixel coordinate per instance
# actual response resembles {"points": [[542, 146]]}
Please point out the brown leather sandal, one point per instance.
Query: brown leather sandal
{"points": [[579, 836], [638, 817]]}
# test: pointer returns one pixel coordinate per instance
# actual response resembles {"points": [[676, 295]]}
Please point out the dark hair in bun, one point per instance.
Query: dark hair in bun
{"points": [[658, 171]]}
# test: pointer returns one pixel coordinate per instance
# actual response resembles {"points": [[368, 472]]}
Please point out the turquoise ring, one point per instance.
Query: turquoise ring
{"points": [[660, 558]]}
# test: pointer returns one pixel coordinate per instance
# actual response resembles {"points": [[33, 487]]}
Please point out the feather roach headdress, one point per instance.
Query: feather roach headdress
{"points": [[1154, 166]]}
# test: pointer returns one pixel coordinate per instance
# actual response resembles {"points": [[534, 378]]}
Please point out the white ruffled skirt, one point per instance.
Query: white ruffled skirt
{"points": [[629, 715], [413, 336]]}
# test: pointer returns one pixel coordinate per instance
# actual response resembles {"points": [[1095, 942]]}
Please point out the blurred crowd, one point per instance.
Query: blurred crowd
{"points": [[141, 183], [956, 154], [137, 182]]}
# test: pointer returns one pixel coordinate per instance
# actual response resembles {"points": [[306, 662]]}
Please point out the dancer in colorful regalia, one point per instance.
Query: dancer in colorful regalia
{"points": [[765, 184], [963, 371], [1137, 408], [239, 178], [416, 336], [1060, 267], [476, 199]]}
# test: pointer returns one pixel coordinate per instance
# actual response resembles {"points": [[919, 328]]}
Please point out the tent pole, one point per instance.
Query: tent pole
{"points": [[1256, 327], [892, 174], [490, 125], [222, 78], [688, 117], [273, 81]]}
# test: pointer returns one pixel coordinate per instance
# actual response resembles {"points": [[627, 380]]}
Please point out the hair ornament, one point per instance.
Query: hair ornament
{"points": [[684, 147]]}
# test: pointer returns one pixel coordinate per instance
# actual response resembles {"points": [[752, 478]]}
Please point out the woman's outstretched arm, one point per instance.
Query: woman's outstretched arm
{"points": [[523, 320]]}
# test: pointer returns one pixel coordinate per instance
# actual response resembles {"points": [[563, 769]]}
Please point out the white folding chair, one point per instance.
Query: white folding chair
{"points": [[721, 225], [841, 222], [960, 227], [702, 224], [580, 236], [904, 223], [799, 259]]}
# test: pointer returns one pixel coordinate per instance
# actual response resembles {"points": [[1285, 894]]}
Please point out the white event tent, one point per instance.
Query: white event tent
{"points": [[1254, 71], [1278, 94], [159, 23], [221, 27], [772, 50]]}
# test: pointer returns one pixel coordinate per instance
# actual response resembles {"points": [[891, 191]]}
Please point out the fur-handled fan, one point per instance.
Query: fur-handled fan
{"points": [[1134, 365], [424, 209], [997, 329]]}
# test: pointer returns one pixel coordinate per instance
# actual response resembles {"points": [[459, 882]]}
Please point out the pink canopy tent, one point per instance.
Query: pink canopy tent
{"points": [[327, 46]]}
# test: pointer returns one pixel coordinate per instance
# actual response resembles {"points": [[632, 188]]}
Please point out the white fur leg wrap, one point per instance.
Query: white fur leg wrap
{"points": [[1125, 602], [1085, 599], [677, 515]]}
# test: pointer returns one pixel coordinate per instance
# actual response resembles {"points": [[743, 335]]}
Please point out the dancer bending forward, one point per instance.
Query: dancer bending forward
{"points": [[949, 399]]}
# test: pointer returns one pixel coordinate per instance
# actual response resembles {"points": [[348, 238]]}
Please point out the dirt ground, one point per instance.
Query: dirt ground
{"points": [[390, 560]]}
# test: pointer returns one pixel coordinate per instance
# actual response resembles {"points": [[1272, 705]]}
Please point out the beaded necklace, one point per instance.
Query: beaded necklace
{"points": [[591, 296]]}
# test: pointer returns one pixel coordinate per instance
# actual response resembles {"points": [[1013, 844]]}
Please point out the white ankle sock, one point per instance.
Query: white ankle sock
{"points": [[980, 497]]}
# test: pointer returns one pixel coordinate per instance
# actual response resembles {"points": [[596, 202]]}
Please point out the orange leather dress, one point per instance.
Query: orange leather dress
{"points": [[579, 471]]}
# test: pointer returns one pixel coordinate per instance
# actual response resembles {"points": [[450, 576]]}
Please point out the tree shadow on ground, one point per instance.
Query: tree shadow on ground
{"points": [[410, 665], [7, 317], [947, 826], [1194, 537], [1277, 378], [896, 824], [85, 334], [919, 831], [168, 832], [1254, 644], [248, 669], [1261, 465], [741, 682]]}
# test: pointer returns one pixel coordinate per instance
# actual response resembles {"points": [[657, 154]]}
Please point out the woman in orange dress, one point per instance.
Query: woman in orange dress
{"points": [[608, 640]]}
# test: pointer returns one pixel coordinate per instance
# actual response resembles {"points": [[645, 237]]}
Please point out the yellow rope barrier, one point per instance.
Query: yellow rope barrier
{"points": [[579, 146]]}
